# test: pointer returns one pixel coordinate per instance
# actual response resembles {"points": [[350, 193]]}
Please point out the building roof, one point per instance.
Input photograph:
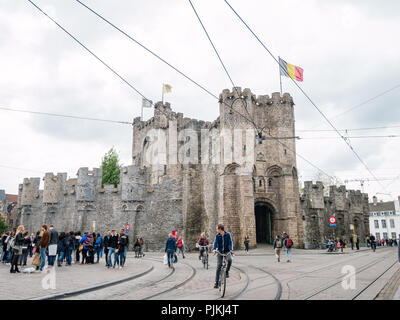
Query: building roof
{"points": [[11, 198], [72, 182], [382, 206]]}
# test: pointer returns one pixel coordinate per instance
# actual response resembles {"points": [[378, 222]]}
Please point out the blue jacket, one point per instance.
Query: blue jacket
{"points": [[170, 245], [98, 242], [223, 244], [83, 240]]}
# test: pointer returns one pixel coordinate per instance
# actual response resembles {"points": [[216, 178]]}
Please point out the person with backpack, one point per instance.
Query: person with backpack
{"points": [[278, 247], [288, 244], [16, 248], [180, 246], [98, 247], [85, 249]]}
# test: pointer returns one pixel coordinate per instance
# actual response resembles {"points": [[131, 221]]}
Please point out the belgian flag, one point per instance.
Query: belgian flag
{"points": [[290, 70]]}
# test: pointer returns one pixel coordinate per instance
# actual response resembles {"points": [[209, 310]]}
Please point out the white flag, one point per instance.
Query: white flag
{"points": [[146, 103]]}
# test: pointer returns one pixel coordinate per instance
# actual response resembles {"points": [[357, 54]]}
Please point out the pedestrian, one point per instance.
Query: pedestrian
{"points": [[107, 239], [288, 244], [180, 246], [25, 248], [284, 236], [123, 244], [170, 248], [342, 245], [69, 244], [278, 247], [4, 240], [136, 247], [36, 249], [113, 247], [77, 246], [17, 249], [358, 243], [31, 245], [352, 243], [61, 249], [53, 244], [90, 241], [141, 252], [85, 249], [98, 247], [246, 243]]}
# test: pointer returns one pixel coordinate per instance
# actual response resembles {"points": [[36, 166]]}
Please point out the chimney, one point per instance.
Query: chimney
{"points": [[375, 200]]}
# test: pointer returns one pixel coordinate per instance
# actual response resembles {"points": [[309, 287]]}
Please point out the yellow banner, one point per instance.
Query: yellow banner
{"points": [[167, 88]]}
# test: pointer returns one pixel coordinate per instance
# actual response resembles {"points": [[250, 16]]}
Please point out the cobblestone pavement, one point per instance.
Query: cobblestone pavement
{"points": [[312, 274]]}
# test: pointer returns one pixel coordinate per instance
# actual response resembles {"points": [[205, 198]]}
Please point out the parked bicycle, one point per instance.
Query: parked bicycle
{"points": [[222, 276]]}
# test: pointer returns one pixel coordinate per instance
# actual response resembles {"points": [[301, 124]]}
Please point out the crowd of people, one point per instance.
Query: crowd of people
{"points": [[64, 247]]}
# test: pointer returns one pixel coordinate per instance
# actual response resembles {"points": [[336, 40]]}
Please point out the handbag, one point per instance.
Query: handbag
{"points": [[37, 260], [34, 250], [165, 259]]}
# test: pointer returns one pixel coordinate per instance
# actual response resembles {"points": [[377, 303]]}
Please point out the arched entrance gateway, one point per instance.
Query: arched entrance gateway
{"points": [[263, 215]]}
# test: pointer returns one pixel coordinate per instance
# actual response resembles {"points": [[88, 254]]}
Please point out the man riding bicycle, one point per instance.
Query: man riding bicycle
{"points": [[223, 244], [202, 243]]}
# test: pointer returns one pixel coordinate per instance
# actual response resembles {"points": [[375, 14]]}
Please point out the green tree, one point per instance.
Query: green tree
{"points": [[3, 225], [110, 168]]}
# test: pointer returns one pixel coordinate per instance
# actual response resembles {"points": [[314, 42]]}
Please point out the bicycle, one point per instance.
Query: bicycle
{"points": [[222, 275], [204, 256]]}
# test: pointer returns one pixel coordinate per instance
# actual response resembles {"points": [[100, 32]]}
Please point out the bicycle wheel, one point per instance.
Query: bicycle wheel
{"points": [[223, 282]]}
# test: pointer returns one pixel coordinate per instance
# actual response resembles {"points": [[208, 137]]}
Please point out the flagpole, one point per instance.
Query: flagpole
{"points": [[280, 75]]}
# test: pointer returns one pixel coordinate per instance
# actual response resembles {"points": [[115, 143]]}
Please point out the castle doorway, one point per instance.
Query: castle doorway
{"points": [[263, 214]]}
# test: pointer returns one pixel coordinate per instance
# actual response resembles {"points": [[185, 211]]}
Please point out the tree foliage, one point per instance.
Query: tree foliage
{"points": [[3, 225], [110, 168]]}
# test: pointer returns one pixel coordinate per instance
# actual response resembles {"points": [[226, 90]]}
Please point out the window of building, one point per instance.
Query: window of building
{"points": [[392, 223], [377, 236], [376, 224], [393, 235], [383, 223], [385, 235]]}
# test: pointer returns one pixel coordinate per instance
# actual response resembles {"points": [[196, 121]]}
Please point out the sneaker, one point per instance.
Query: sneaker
{"points": [[215, 286], [120, 268], [227, 274]]}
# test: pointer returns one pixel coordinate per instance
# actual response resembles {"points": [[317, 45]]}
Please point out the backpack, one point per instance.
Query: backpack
{"points": [[180, 242], [279, 244], [289, 243]]}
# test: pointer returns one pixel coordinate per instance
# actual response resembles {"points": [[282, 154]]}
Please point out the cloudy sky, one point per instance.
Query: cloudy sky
{"points": [[349, 51]]}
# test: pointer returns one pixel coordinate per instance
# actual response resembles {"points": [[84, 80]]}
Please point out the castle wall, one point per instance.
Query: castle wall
{"points": [[348, 206]]}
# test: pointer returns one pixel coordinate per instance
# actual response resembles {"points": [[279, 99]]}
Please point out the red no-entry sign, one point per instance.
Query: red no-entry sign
{"points": [[332, 220]]}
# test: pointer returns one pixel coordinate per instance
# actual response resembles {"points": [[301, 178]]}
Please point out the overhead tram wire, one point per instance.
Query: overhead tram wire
{"points": [[230, 78], [304, 93], [116, 73], [353, 129], [64, 115], [91, 52], [233, 110]]}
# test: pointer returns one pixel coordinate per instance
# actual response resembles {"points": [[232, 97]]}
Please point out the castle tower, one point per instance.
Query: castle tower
{"points": [[260, 197]]}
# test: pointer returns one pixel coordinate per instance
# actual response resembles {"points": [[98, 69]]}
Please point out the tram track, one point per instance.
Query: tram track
{"points": [[364, 267]]}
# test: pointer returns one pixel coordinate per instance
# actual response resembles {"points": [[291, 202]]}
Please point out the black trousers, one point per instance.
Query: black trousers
{"points": [[77, 255], [14, 262], [84, 255], [106, 254]]}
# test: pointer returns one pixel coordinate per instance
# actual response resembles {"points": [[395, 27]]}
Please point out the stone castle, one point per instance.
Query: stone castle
{"points": [[189, 175]]}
